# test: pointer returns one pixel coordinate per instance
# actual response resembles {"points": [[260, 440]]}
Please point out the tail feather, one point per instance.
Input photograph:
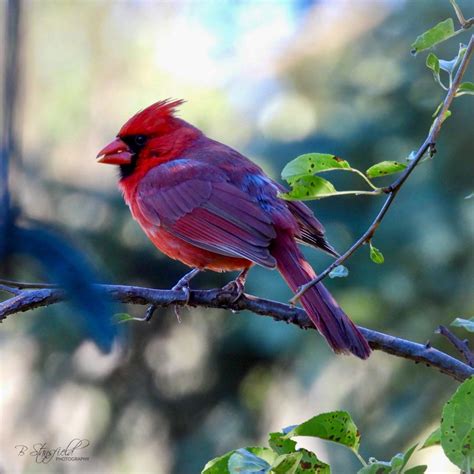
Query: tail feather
{"points": [[328, 317]]}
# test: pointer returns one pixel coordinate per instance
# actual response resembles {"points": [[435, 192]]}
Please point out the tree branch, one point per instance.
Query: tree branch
{"points": [[394, 188], [24, 299]]}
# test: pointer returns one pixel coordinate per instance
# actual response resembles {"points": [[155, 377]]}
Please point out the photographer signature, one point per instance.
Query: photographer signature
{"points": [[43, 454]]}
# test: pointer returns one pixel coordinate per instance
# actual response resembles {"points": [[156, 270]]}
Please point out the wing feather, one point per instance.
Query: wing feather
{"points": [[200, 205]]}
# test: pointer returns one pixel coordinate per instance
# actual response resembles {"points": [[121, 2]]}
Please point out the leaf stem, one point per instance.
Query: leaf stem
{"points": [[360, 458], [354, 192]]}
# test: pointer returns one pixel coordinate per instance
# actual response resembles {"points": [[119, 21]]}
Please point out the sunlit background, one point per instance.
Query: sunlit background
{"points": [[273, 79]]}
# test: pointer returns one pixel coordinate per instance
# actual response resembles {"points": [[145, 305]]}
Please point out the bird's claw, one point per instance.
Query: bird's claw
{"points": [[183, 286], [236, 286]]}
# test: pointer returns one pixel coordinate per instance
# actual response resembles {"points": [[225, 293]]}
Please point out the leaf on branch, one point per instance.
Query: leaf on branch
{"points": [[120, 318], [311, 163], [258, 455], [417, 469], [376, 255], [395, 466], [336, 426], [339, 272], [286, 464], [441, 32], [309, 187], [433, 439], [244, 461], [467, 324], [457, 426], [385, 168], [281, 444], [432, 62], [436, 112], [376, 467], [466, 88]]}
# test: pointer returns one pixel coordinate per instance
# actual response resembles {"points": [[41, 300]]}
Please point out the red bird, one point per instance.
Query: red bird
{"points": [[205, 204]]}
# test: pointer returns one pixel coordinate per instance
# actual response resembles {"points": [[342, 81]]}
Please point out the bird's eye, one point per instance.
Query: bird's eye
{"points": [[140, 140]]}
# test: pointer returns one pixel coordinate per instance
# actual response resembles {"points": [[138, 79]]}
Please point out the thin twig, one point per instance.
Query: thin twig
{"points": [[465, 24], [23, 284], [33, 298], [394, 188], [460, 345]]}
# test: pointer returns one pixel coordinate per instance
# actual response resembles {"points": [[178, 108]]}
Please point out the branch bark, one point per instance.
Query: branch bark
{"points": [[27, 298]]}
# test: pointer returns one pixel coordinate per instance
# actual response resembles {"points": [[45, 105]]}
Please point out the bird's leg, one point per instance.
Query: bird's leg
{"points": [[237, 286], [182, 285]]}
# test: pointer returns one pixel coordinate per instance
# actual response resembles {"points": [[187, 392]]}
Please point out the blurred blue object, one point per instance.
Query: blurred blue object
{"points": [[68, 267]]}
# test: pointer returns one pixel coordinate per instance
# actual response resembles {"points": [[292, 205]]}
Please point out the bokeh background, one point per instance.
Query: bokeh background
{"points": [[273, 79]]}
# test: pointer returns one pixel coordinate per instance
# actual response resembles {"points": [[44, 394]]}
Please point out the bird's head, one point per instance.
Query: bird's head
{"points": [[151, 136]]}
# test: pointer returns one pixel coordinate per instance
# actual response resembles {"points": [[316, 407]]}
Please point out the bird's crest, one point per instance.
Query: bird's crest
{"points": [[152, 118]]}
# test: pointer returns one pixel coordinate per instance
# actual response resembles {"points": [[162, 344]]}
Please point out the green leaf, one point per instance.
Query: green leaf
{"points": [[465, 88], [467, 447], [242, 461], [310, 464], [395, 466], [311, 163], [436, 112], [287, 463], [457, 424], [281, 444], [385, 168], [432, 62], [376, 255], [309, 187], [120, 318], [417, 469], [219, 465], [334, 426], [376, 467], [467, 324], [405, 457], [433, 439], [441, 32], [397, 462], [339, 272]]}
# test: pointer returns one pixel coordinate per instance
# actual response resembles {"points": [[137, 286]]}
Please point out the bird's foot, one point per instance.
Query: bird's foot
{"points": [[183, 286], [236, 287]]}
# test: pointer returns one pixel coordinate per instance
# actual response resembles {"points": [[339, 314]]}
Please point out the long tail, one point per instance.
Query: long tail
{"points": [[328, 317]]}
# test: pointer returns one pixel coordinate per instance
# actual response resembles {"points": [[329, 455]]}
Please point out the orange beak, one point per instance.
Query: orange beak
{"points": [[115, 153]]}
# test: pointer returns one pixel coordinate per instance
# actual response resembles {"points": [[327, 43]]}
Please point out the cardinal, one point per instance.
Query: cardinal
{"points": [[205, 204]]}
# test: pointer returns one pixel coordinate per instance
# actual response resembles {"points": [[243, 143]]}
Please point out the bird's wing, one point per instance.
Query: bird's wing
{"points": [[197, 203], [311, 230]]}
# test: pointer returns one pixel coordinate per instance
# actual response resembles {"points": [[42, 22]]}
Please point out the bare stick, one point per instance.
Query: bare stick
{"points": [[394, 188], [27, 298], [459, 344]]}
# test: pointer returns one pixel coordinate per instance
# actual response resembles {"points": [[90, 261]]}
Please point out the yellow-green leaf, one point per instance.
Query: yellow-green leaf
{"points": [[309, 187], [376, 255], [311, 163], [465, 88], [441, 32], [334, 426], [385, 168]]}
